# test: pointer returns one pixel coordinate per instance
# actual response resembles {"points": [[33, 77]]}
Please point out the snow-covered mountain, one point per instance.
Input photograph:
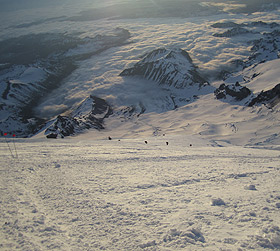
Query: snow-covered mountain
{"points": [[230, 112], [167, 67], [161, 80], [32, 66], [266, 48], [171, 69]]}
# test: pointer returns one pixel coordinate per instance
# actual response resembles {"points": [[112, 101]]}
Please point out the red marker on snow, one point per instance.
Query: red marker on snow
{"points": [[16, 154], [5, 134]]}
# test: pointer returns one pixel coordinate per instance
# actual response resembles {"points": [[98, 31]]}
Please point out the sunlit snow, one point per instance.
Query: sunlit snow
{"points": [[82, 194], [200, 176]]}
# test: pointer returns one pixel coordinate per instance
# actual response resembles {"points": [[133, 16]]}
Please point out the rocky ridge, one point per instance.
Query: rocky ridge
{"points": [[90, 114], [235, 91], [167, 67], [236, 31], [270, 97]]}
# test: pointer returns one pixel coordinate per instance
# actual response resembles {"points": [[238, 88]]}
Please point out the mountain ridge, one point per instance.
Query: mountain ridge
{"points": [[89, 115], [167, 67]]}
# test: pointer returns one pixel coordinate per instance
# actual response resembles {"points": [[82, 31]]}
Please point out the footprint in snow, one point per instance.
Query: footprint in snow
{"points": [[56, 165]]}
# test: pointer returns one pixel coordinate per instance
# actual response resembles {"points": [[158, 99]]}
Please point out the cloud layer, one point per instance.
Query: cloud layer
{"points": [[99, 75]]}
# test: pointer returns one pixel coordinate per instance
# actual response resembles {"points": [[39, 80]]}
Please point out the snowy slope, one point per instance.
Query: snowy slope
{"points": [[83, 194], [143, 110], [145, 102], [183, 169]]}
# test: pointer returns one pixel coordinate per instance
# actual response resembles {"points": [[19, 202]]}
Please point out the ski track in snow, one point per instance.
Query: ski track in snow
{"points": [[78, 194]]}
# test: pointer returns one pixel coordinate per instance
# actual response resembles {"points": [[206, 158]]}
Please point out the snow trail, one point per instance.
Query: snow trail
{"points": [[127, 195]]}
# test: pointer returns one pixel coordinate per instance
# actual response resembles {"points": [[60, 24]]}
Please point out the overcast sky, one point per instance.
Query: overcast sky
{"points": [[10, 5]]}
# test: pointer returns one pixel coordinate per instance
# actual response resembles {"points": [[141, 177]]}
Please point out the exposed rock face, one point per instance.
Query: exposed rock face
{"points": [[263, 24], [266, 48], [230, 24], [232, 32], [225, 25], [236, 91], [167, 67], [271, 96], [90, 114]]}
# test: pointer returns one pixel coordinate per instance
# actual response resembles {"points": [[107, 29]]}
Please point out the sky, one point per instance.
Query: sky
{"points": [[23, 4], [50, 5]]}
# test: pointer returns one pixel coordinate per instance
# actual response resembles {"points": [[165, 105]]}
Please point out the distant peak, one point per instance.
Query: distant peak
{"points": [[172, 67]]}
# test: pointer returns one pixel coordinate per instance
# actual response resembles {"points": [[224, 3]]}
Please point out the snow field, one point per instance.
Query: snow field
{"points": [[78, 194]]}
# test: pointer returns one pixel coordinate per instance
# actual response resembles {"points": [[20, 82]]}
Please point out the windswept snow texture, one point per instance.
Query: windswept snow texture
{"points": [[172, 168], [127, 195]]}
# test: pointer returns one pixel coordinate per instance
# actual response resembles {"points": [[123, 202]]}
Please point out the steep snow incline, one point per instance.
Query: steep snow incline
{"points": [[127, 195], [262, 77]]}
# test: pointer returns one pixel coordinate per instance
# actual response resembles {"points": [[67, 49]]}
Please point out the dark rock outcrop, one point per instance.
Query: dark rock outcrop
{"points": [[236, 31], [263, 24], [90, 114], [271, 97], [236, 91], [228, 24]]}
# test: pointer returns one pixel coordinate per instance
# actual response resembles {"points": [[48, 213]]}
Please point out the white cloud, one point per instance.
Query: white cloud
{"points": [[227, 7], [47, 111]]}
